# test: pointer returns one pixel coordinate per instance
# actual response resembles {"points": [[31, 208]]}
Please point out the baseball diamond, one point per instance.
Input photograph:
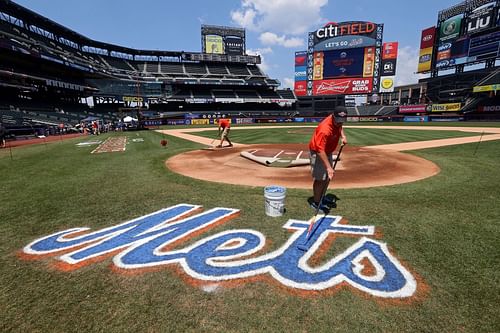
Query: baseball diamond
{"points": [[296, 166], [360, 166]]}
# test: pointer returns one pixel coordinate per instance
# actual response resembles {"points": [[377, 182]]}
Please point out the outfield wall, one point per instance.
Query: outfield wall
{"points": [[274, 120]]}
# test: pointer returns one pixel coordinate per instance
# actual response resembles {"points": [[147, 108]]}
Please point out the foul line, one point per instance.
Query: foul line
{"points": [[490, 134]]}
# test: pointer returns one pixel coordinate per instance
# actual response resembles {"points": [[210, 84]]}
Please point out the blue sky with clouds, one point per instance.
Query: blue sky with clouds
{"points": [[275, 28]]}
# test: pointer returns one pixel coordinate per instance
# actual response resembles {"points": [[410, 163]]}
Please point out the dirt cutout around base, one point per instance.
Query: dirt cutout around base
{"points": [[358, 167]]}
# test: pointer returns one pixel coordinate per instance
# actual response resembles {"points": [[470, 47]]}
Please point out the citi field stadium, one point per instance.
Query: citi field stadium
{"points": [[286, 169]]}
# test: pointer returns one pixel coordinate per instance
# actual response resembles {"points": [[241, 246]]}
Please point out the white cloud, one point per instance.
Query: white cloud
{"points": [[289, 17], [260, 51], [406, 66], [287, 82], [244, 18], [270, 38]]}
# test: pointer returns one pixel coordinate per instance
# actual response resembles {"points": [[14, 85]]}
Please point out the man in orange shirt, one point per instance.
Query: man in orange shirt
{"points": [[224, 127], [322, 145]]}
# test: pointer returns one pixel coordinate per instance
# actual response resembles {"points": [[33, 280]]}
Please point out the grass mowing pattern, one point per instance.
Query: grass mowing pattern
{"points": [[357, 137], [446, 228]]}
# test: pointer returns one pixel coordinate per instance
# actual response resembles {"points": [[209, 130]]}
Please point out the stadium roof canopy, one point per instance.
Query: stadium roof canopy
{"points": [[31, 18]]}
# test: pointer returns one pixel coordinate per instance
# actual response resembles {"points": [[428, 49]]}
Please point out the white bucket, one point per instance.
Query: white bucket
{"points": [[274, 197]]}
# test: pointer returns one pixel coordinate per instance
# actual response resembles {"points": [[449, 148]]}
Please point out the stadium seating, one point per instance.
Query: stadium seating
{"points": [[217, 69], [65, 67], [171, 68], [224, 94], [239, 70], [247, 94], [195, 68], [286, 94]]}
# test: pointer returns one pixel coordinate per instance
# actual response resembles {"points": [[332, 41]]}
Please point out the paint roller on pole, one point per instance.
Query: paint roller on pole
{"points": [[312, 220]]}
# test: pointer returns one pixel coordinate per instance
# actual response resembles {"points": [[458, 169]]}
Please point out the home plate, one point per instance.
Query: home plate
{"points": [[277, 158]]}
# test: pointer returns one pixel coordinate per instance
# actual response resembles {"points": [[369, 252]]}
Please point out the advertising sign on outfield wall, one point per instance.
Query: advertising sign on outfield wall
{"points": [[447, 107], [489, 108], [420, 108]]}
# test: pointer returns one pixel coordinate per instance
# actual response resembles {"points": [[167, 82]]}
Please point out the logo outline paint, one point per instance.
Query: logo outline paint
{"points": [[224, 256]]}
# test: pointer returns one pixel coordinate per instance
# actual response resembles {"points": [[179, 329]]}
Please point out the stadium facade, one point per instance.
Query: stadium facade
{"points": [[47, 70], [53, 77]]}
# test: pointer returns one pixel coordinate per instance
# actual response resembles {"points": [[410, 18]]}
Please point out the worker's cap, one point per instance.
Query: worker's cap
{"points": [[340, 114]]}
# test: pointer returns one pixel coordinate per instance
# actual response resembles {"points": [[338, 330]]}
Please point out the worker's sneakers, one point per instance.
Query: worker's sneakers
{"points": [[322, 207]]}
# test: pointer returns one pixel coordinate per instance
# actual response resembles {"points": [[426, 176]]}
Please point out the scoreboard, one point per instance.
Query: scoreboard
{"points": [[344, 58], [466, 33]]}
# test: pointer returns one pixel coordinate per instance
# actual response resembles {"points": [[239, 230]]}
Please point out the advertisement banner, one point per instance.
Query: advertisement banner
{"points": [[425, 60], [452, 53], [344, 42], [343, 86], [200, 122], [481, 18], [318, 66], [490, 87], [300, 88], [333, 29], [427, 38], [214, 44], [416, 119], [369, 62], [300, 73], [388, 67], [420, 108], [447, 107], [489, 108], [390, 50], [132, 99], [234, 45], [300, 58], [450, 29], [484, 47], [387, 84]]}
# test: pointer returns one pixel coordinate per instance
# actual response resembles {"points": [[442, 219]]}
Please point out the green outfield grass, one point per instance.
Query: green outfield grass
{"points": [[446, 230]]}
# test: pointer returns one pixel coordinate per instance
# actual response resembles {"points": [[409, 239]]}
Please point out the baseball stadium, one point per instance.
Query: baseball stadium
{"points": [[125, 205]]}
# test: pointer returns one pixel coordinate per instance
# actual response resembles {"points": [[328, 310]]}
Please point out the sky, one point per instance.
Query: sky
{"points": [[275, 29]]}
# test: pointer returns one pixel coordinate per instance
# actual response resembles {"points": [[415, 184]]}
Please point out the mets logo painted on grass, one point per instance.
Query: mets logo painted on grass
{"points": [[155, 240]]}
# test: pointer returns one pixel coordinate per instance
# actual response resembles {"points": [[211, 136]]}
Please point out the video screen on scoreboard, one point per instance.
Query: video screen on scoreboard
{"points": [[334, 64], [343, 63]]}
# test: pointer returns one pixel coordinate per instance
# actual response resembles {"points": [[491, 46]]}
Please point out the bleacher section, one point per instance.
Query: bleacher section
{"points": [[152, 67], [254, 70], [202, 94], [171, 68], [373, 110], [217, 69], [195, 68], [118, 63], [51, 68], [224, 94], [268, 94], [247, 94], [286, 94], [239, 70]]}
